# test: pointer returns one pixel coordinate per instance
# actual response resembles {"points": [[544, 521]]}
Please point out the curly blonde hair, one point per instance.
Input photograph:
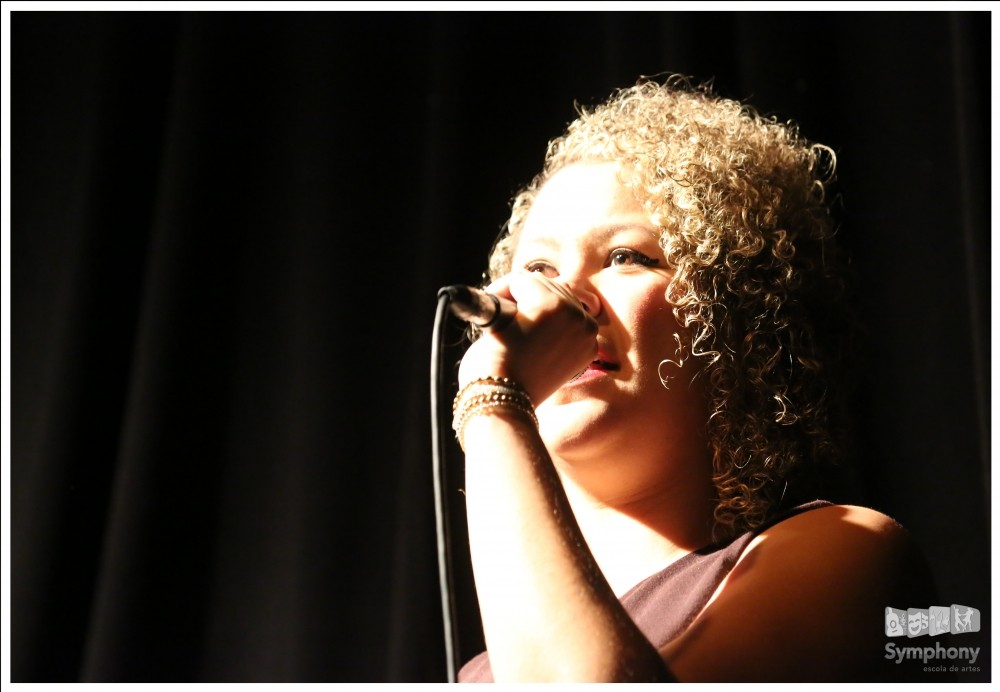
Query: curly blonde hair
{"points": [[741, 201]]}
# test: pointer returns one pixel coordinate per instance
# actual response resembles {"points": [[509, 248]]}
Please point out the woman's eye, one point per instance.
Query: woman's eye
{"points": [[625, 256], [542, 267]]}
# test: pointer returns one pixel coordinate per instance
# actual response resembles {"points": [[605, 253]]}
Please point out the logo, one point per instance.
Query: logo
{"points": [[964, 619], [916, 622], [894, 622], [940, 618]]}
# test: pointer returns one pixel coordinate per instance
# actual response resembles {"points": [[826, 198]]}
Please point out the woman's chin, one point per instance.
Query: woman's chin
{"points": [[576, 425]]}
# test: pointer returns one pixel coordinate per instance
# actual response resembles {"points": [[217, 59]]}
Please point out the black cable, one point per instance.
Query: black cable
{"points": [[445, 578]]}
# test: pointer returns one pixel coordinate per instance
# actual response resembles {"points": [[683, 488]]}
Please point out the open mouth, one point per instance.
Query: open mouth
{"points": [[597, 366], [603, 363], [600, 364]]}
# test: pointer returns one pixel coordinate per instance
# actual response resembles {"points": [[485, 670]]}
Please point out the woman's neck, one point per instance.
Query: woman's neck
{"points": [[634, 535]]}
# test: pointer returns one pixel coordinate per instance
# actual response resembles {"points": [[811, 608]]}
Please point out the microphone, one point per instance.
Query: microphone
{"points": [[476, 306]]}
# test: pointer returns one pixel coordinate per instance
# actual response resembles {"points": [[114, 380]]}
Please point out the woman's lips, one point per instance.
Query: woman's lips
{"points": [[603, 364], [597, 368]]}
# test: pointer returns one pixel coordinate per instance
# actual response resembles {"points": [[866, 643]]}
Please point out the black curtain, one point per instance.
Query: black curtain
{"points": [[227, 235]]}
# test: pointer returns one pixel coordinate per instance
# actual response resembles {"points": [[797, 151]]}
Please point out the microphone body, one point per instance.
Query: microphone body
{"points": [[476, 306]]}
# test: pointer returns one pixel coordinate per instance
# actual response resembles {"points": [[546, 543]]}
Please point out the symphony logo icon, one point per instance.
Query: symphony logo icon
{"points": [[964, 619], [940, 617], [916, 622], [895, 620]]}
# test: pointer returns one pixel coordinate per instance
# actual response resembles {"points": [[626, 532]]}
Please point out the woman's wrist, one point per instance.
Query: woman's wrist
{"points": [[488, 396]]}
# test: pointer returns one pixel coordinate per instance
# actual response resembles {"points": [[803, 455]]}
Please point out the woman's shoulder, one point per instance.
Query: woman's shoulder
{"points": [[857, 554], [838, 521], [850, 540], [818, 582]]}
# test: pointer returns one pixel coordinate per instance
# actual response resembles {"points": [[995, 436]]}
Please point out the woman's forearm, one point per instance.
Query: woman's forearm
{"points": [[548, 612]]}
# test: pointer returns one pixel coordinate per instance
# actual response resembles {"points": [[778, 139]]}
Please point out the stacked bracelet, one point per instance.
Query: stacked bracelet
{"points": [[488, 395]]}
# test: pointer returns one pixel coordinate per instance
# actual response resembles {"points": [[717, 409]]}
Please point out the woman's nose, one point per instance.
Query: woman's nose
{"points": [[585, 292]]}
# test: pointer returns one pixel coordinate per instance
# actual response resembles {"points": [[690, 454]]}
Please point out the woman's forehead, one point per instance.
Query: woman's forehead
{"points": [[580, 196]]}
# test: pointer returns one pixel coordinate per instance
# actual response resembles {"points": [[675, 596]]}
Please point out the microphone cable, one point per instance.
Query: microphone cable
{"points": [[445, 576]]}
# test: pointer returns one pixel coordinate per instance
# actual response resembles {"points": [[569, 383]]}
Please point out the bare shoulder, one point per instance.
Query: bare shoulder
{"points": [[832, 516], [856, 548], [842, 526], [806, 601]]}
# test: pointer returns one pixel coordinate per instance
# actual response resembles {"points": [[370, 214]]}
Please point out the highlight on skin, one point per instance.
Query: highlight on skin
{"points": [[741, 203]]}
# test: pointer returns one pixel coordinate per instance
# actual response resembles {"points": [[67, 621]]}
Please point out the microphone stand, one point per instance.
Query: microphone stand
{"points": [[445, 576]]}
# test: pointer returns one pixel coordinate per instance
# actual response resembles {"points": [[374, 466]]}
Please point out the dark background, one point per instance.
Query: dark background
{"points": [[228, 231]]}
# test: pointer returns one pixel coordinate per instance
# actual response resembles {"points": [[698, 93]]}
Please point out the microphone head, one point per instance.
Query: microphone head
{"points": [[479, 308]]}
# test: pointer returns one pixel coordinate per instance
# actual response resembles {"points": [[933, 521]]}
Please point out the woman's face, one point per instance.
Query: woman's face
{"points": [[585, 229]]}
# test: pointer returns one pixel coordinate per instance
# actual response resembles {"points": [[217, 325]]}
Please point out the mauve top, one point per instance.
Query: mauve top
{"points": [[665, 604]]}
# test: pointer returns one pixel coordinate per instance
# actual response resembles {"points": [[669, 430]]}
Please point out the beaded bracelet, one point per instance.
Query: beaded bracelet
{"points": [[488, 382], [485, 396]]}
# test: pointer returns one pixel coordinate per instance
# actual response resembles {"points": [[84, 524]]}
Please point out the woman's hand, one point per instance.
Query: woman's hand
{"points": [[550, 341]]}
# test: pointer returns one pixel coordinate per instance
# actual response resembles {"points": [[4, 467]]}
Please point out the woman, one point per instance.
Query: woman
{"points": [[633, 440]]}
